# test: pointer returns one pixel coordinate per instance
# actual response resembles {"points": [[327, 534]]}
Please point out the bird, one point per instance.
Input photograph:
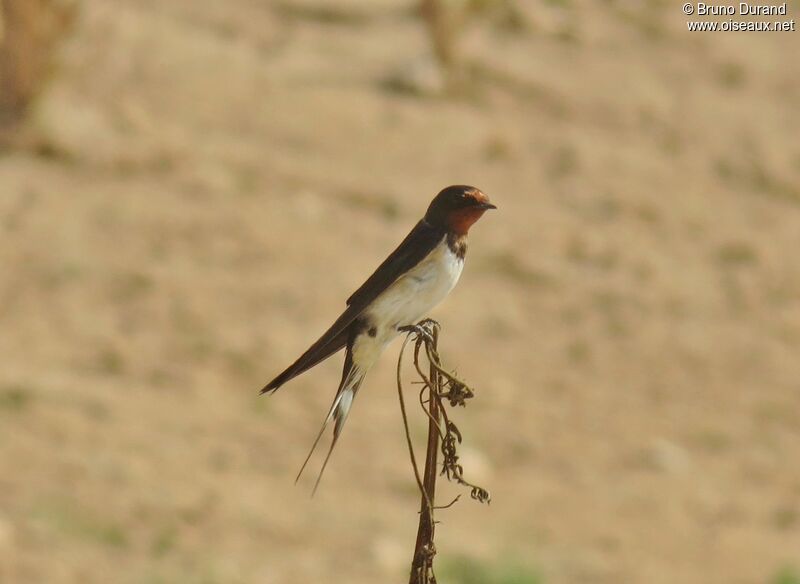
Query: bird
{"points": [[416, 276]]}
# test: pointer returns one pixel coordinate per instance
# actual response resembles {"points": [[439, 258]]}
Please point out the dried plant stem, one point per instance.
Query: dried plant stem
{"points": [[443, 434], [424, 549], [435, 14], [441, 29], [30, 31]]}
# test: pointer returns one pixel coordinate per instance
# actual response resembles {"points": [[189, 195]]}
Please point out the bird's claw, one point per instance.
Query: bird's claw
{"points": [[423, 328]]}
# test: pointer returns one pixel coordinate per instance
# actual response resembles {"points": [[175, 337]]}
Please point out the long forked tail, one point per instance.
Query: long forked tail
{"points": [[351, 381]]}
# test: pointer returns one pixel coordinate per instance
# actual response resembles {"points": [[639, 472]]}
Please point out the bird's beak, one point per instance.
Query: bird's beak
{"points": [[486, 206]]}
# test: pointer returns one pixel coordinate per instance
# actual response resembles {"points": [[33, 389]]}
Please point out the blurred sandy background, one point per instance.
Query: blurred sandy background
{"points": [[209, 181]]}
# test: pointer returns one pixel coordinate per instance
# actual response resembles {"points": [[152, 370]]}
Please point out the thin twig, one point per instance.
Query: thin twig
{"points": [[405, 416]]}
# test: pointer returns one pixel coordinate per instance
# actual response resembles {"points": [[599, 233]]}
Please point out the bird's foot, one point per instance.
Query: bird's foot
{"points": [[423, 328]]}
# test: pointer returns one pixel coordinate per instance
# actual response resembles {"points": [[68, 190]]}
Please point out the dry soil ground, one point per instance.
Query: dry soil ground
{"points": [[216, 178]]}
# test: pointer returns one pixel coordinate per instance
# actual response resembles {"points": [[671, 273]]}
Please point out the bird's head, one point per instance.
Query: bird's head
{"points": [[457, 207]]}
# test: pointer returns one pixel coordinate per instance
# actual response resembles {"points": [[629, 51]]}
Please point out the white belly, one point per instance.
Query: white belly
{"points": [[415, 293], [406, 301]]}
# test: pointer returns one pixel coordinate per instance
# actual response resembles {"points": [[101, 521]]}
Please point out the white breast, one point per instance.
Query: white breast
{"points": [[415, 293]]}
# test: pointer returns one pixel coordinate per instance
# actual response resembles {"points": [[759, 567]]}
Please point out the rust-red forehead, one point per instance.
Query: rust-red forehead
{"points": [[478, 195]]}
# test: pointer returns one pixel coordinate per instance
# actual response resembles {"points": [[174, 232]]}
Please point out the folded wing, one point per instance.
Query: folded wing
{"points": [[417, 244]]}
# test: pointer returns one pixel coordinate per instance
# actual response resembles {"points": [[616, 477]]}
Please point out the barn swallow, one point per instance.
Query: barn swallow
{"points": [[411, 281]]}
